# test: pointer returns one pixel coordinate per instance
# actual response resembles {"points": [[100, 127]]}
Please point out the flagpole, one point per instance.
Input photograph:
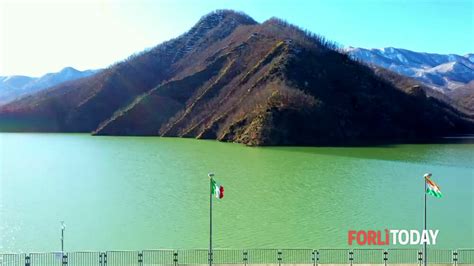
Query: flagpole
{"points": [[63, 227], [425, 257], [210, 218]]}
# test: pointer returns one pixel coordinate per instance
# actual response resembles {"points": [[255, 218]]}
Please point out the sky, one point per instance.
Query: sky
{"points": [[41, 36]]}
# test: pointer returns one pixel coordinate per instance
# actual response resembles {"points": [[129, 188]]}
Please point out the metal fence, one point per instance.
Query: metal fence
{"points": [[244, 257]]}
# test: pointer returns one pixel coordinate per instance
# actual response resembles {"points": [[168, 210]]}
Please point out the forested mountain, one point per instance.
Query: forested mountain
{"points": [[449, 74], [233, 79]]}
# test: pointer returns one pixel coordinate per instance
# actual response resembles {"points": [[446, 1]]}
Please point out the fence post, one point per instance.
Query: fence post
{"points": [[175, 258], [245, 256], [279, 257], [105, 258], [420, 257], [64, 259], [455, 257], [313, 258], [210, 257], [351, 256], [317, 257], [27, 260], [385, 257], [140, 258]]}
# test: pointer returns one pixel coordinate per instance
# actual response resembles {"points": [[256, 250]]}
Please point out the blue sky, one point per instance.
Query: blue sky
{"points": [[39, 36]]}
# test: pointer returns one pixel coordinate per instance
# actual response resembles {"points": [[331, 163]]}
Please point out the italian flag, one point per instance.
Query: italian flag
{"points": [[432, 189], [217, 189]]}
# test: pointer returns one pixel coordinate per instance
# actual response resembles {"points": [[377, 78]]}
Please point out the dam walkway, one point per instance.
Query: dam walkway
{"points": [[243, 257]]}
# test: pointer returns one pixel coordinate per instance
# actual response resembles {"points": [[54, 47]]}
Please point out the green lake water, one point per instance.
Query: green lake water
{"points": [[134, 193]]}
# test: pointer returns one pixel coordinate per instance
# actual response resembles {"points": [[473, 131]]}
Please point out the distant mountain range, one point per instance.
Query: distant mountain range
{"points": [[439, 71], [13, 87], [449, 74], [232, 79]]}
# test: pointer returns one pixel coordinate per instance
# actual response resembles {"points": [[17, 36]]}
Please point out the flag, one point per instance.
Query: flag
{"points": [[217, 189], [432, 189]]}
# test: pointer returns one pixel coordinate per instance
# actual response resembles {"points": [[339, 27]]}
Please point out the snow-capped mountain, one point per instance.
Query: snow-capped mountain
{"points": [[233, 79], [13, 87], [439, 71]]}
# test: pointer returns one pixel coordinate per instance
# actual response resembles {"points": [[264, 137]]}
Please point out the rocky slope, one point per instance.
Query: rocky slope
{"points": [[232, 79], [464, 96]]}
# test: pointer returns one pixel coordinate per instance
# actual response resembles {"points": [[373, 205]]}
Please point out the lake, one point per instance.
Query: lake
{"points": [[134, 193]]}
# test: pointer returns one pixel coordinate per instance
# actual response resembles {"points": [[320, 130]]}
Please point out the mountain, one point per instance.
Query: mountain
{"points": [[442, 72], [13, 87], [464, 96], [14, 81], [233, 79]]}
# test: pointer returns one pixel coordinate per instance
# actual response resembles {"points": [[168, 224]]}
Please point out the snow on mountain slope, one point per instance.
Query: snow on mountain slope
{"points": [[13, 87], [439, 71]]}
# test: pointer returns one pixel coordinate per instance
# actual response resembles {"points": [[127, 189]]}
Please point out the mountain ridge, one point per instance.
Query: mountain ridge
{"points": [[444, 72], [15, 86], [232, 79]]}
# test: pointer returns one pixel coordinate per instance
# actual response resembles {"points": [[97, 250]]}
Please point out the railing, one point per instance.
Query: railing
{"points": [[244, 257]]}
